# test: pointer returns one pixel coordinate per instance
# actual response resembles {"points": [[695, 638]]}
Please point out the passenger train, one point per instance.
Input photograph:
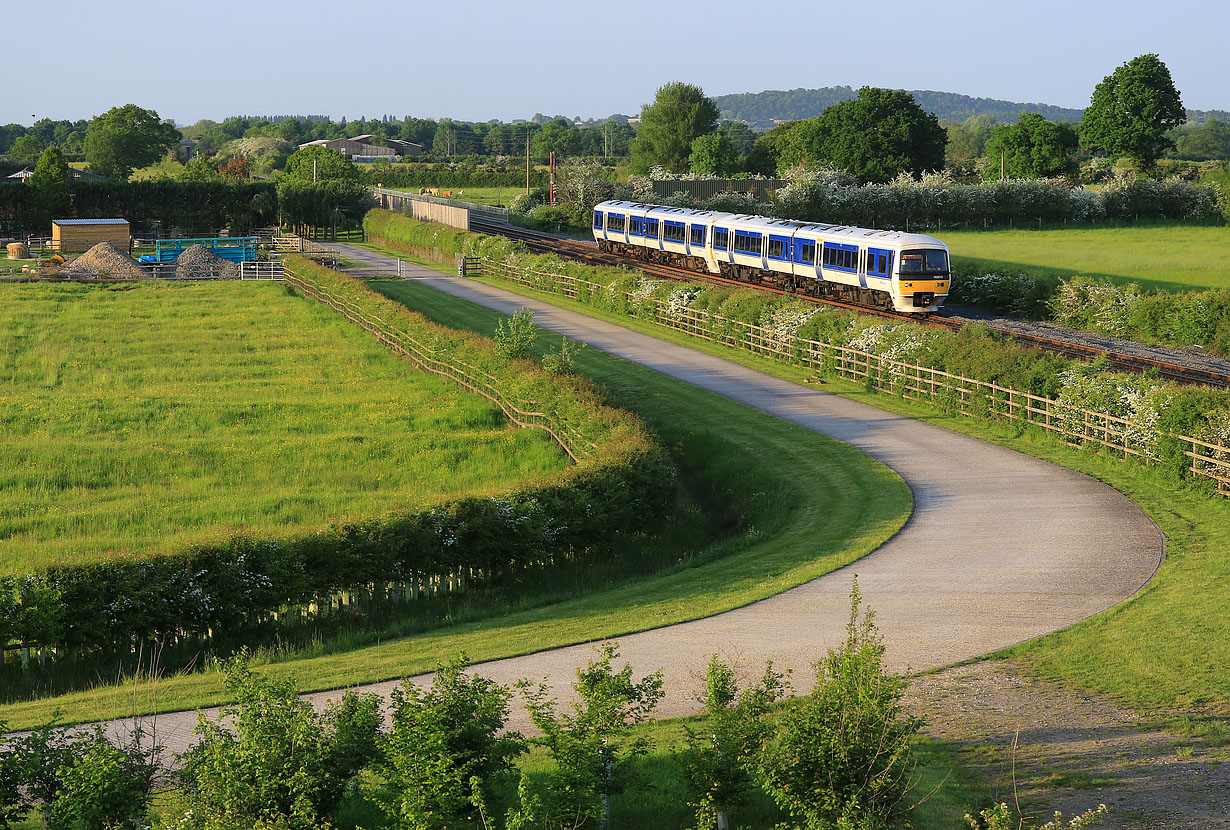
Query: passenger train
{"points": [[904, 271]]}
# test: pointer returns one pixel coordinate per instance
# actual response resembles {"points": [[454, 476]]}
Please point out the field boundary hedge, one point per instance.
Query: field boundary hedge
{"points": [[621, 486]]}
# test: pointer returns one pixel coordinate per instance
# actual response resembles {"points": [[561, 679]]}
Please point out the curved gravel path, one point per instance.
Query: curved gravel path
{"points": [[1001, 547]]}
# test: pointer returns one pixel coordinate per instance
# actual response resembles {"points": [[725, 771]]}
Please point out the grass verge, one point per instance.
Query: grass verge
{"points": [[812, 505]]}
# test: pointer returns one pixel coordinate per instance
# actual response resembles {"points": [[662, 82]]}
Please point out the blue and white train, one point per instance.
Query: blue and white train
{"points": [[904, 271]]}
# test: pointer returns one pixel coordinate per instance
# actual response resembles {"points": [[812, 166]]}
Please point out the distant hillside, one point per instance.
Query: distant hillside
{"points": [[791, 105]]}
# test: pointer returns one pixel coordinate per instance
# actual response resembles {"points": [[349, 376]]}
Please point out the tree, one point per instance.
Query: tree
{"points": [[26, 148], [445, 742], [50, 181], [1208, 142], [277, 761], [679, 113], [125, 138], [1131, 110], [1032, 148], [713, 155], [720, 759], [589, 747], [319, 164], [841, 754], [559, 137], [877, 136]]}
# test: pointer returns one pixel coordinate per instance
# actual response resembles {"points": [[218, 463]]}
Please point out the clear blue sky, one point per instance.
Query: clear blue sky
{"points": [[483, 59]]}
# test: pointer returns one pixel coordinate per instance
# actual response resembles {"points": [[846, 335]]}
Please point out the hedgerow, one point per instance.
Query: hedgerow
{"points": [[622, 486]]}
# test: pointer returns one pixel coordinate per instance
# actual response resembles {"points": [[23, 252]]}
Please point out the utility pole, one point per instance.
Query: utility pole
{"points": [[1001, 164], [313, 171], [527, 159]]}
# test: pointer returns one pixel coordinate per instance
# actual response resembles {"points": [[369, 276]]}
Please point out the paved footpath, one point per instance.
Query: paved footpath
{"points": [[1001, 547]]}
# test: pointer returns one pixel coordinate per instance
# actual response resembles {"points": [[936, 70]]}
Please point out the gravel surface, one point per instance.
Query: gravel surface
{"points": [[105, 260], [1193, 357], [197, 262], [1073, 750]]}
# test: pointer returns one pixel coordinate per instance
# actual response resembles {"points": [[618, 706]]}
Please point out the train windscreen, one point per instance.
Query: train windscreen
{"points": [[927, 262]]}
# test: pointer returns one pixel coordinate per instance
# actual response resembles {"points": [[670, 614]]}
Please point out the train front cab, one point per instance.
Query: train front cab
{"points": [[923, 279]]}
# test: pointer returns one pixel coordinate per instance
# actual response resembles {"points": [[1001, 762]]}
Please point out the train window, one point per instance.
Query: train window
{"points": [[777, 248], [672, 231], [721, 238], [883, 269], [747, 243], [805, 251], [698, 234], [615, 222], [598, 219], [634, 226], [651, 228]]}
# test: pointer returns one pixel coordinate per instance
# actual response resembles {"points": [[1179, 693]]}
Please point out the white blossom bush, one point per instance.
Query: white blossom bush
{"points": [[1095, 305], [644, 295], [781, 324], [1137, 399], [1217, 432]]}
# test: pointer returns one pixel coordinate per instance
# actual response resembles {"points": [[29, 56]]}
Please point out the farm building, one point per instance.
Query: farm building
{"points": [[368, 147], [72, 236]]}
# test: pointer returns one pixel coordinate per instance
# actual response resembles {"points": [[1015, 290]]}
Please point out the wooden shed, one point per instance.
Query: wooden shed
{"points": [[72, 236]]}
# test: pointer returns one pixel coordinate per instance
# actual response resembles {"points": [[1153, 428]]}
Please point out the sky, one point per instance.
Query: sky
{"points": [[480, 59]]}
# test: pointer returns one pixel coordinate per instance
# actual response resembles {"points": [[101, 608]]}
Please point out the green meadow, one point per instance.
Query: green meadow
{"points": [[1166, 257], [139, 420]]}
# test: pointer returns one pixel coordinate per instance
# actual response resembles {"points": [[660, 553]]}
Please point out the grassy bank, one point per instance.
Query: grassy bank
{"points": [[143, 420], [1165, 257], [826, 507]]}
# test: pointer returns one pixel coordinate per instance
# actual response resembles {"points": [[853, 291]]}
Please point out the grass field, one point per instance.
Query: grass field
{"points": [[141, 420], [826, 507], [1165, 257]]}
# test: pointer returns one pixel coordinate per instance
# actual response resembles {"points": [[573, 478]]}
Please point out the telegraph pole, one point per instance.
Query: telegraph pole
{"points": [[527, 158]]}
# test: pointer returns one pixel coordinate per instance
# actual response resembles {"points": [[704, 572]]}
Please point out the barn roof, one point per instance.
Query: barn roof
{"points": [[89, 221]]}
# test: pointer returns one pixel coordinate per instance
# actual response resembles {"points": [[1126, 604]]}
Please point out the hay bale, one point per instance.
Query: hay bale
{"points": [[196, 262], [106, 260], [17, 250]]}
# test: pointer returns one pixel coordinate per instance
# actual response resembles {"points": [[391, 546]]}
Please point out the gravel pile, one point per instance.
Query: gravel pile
{"points": [[106, 260], [199, 263]]}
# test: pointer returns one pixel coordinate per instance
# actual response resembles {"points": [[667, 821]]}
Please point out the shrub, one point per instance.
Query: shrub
{"points": [[515, 336], [841, 754], [589, 747], [446, 742], [277, 760]]}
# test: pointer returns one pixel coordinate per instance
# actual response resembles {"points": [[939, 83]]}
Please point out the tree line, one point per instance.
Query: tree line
{"points": [[878, 134]]}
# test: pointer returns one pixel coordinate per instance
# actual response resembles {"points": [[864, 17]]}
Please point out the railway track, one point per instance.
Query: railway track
{"points": [[1171, 369]]}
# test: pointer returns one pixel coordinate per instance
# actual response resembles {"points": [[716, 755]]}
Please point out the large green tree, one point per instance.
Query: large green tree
{"points": [[876, 136], [557, 136], [1032, 148], [678, 115], [320, 164], [713, 155], [1132, 109], [125, 138], [50, 182]]}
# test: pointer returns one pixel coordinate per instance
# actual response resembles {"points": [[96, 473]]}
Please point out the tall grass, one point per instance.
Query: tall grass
{"points": [[141, 420]]}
